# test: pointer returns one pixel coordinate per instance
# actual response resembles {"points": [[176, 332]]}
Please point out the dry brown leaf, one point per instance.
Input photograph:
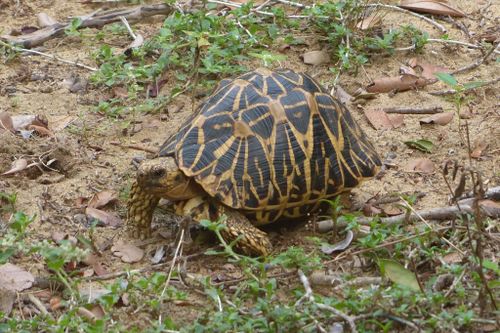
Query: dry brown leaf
{"points": [[137, 42], [428, 70], [17, 165], [6, 122], [452, 258], [98, 311], [342, 95], [492, 208], [397, 83], [431, 7], [55, 303], [105, 217], [479, 149], [127, 252], [371, 210], [42, 131], [102, 198], [44, 20], [438, 118], [369, 22], [391, 210], [316, 58], [381, 120], [15, 278], [58, 123], [120, 92], [21, 122], [422, 165]]}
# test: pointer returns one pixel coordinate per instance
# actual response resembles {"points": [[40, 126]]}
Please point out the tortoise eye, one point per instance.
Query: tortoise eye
{"points": [[159, 173]]}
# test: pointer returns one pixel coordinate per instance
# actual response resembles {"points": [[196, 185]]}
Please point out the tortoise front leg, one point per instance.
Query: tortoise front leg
{"points": [[253, 241], [140, 208]]}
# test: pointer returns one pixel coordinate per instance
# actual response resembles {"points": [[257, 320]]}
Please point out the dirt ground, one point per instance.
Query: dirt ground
{"points": [[87, 158]]}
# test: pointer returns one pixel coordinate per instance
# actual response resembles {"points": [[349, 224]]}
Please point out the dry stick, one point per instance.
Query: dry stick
{"points": [[136, 147], [47, 55], [439, 214], [93, 20], [401, 10], [424, 110], [476, 63], [310, 298]]}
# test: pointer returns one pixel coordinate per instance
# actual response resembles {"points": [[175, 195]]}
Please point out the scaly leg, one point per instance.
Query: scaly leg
{"points": [[253, 241], [140, 208]]}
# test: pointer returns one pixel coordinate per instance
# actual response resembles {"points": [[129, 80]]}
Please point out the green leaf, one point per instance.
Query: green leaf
{"points": [[474, 85], [398, 274], [491, 266], [422, 145], [447, 78]]}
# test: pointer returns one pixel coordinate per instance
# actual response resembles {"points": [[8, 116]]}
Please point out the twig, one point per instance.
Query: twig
{"points": [[401, 10], [93, 20], [139, 270], [179, 244], [476, 63], [453, 91], [424, 110], [136, 147], [293, 4], [50, 56], [129, 29], [33, 299], [457, 42], [309, 296]]}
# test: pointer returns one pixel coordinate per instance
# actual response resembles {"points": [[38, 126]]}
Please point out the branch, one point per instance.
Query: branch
{"points": [[424, 110], [93, 20]]}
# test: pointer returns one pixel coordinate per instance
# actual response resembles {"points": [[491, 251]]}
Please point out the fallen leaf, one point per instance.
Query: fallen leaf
{"points": [[316, 58], [369, 21], [127, 252], [422, 165], [452, 258], [15, 278], [17, 165], [44, 20], [342, 95], [159, 253], [381, 120], [437, 7], [21, 122], [42, 131], [479, 149], [98, 311], [102, 198], [339, 246], [105, 217], [55, 303], [58, 123], [120, 92], [398, 274], [137, 42], [438, 118], [391, 210], [371, 210], [422, 145], [398, 83], [490, 207], [6, 122], [428, 70]]}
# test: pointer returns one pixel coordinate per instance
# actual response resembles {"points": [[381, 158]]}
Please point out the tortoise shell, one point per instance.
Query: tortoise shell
{"points": [[272, 144]]}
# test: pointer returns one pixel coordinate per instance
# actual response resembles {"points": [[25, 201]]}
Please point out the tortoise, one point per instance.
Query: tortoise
{"points": [[265, 146]]}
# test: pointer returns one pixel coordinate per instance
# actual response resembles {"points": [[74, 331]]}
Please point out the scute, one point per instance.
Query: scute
{"points": [[273, 144]]}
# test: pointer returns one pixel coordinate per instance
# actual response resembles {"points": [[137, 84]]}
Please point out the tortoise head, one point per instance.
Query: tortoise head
{"points": [[162, 177]]}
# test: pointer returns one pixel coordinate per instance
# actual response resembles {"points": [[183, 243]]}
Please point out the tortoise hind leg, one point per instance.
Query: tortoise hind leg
{"points": [[252, 241], [140, 208]]}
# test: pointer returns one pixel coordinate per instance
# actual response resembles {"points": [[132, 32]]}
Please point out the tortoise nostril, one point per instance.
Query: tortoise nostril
{"points": [[159, 172]]}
